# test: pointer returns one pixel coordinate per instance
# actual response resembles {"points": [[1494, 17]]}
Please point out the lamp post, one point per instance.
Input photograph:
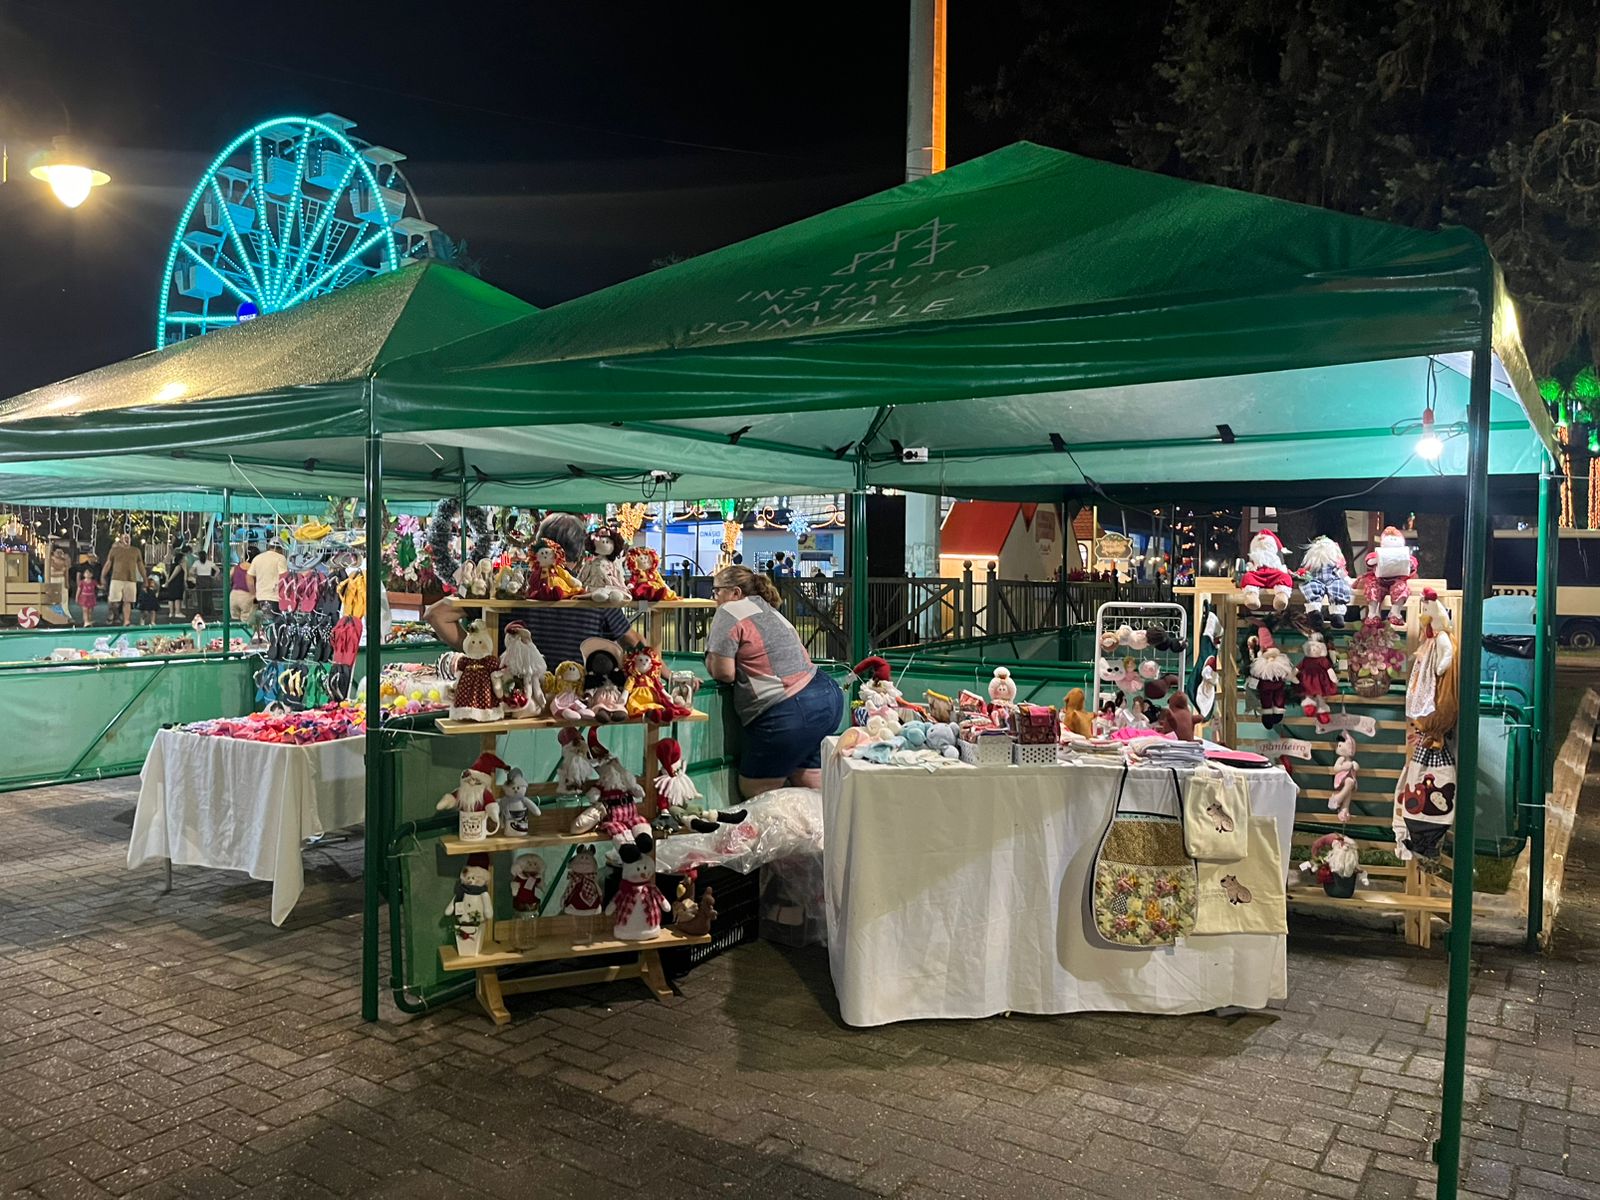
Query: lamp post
{"points": [[64, 167]]}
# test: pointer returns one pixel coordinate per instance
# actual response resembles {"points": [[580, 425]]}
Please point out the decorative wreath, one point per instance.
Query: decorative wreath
{"points": [[442, 536]]}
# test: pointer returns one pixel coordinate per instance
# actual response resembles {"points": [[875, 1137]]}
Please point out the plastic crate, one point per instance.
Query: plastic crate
{"points": [[1027, 755], [738, 903]]}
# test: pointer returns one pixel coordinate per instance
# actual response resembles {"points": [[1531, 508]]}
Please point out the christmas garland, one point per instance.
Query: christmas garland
{"points": [[442, 536]]}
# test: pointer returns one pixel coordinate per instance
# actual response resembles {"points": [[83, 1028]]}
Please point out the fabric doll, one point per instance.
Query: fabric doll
{"points": [[648, 698], [520, 682], [475, 698], [1266, 572], [563, 689], [548, 577], [515, 804], [1177, 718], [638, 905], [1345, 769], [1319, 679], [527, 882], [1325, 583], [1002, 692], [577, 768], [1272, 672], [601, 574], [613, 809], [644, 575], [471, 896], [1390, 570], [878, 694], [677, 796], [475, 792], [583, 896], [1074, 718], [604, 679]]}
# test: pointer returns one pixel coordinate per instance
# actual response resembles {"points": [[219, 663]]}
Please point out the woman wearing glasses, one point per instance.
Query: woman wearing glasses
{"points": [[785, 704]]}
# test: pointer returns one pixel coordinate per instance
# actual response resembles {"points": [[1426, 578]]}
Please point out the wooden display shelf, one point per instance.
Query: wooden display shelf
{"points": [[509, 605], [1330, 768], [513, 724], [1378, 898], [547, 829], [553, 947], [1313, 723], [568, 938]]}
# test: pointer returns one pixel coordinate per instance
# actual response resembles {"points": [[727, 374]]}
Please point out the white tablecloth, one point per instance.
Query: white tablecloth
{"points": [[245, 806], [961, 893]]}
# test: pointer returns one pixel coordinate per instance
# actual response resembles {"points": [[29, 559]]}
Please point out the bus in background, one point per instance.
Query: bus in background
{"points": [[1513, 566]]}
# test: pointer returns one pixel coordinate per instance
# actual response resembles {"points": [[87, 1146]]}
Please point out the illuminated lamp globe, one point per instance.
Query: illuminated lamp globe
{"points": [[62, 167], [1429, 447]]}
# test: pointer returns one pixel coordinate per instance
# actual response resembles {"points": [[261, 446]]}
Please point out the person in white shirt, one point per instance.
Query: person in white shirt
{"points": [[264, 572]]}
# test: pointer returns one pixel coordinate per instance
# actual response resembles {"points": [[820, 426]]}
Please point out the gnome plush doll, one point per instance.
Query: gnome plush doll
{"points": [[677, 798], [1325, 583], [1267, 572]]}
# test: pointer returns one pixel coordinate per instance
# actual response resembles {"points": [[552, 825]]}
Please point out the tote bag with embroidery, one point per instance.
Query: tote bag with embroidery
{"points": [[1216, 816], [1143, 889]]}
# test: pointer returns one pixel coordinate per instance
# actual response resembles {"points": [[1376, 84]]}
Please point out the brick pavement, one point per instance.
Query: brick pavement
{"points": [[179, 1045]]}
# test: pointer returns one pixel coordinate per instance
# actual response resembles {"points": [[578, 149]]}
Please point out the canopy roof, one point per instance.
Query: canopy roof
{"points": [[1037, 320]]}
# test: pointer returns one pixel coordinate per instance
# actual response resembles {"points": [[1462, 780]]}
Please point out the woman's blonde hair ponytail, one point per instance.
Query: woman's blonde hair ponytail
{"points": [[751, 583]]}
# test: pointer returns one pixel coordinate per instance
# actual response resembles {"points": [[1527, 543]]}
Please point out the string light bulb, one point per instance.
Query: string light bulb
{"points": [[1429, 447]]}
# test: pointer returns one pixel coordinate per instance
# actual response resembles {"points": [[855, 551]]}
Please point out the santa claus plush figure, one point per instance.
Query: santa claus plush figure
{"points": [[475, 793], [1272, 672], [1390, 570], [638, 905], [1267, 572], [520, 681], [678, 801]]}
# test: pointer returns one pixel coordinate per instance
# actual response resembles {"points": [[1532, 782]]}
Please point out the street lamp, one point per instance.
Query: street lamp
{"points": [[64, 168]]}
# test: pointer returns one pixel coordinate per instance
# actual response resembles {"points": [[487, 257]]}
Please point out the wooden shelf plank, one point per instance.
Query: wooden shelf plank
{"points": [[512, 725], [509, 605], [558, 947], [1361, 797], [1328, 818], [1329, 768], [504, 844], [1371, 898], [1312, 722]]}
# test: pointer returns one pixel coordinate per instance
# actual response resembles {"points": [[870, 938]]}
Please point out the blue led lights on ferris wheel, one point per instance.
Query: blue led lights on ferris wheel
{"points": [[290, 210]]}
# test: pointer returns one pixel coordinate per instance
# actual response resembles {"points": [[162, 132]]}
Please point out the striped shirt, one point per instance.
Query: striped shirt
{"points": [[770, 660], [558, 632]]}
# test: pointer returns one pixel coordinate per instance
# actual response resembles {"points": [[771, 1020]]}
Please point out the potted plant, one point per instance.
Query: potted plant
{"points": [[469, 933], [1337, 864]]}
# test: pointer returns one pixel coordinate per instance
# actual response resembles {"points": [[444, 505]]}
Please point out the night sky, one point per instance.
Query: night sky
{"points": [[569, 144]]}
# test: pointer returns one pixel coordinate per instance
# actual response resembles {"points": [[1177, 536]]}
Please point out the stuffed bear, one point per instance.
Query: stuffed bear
{"points": [[476, 666], [515, 804]]}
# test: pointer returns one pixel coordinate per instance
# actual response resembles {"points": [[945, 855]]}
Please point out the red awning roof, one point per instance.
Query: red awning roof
{"points": [[977, 528]]}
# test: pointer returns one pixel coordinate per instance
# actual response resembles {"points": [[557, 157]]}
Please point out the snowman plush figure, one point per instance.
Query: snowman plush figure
{"points": [[638, 905], [472, 891]]}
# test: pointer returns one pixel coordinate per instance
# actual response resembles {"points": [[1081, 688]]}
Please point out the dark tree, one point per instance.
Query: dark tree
{"points": [[1484, 113]]}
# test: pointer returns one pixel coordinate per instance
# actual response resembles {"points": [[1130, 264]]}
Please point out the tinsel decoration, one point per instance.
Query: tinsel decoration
{"points": [[442, 536], [630, 519]]}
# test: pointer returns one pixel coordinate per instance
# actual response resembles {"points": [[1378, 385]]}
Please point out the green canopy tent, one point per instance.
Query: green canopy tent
{"points": [[1037, 321]]}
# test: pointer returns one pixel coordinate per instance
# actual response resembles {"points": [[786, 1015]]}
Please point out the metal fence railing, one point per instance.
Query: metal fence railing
{"points": [[916, 611]]}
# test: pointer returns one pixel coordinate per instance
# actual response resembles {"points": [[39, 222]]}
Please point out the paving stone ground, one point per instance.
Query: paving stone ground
{"points": [[180, 1045]]}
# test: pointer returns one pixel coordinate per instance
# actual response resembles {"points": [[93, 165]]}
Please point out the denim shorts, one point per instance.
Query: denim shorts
{"points": [[788, 736]]}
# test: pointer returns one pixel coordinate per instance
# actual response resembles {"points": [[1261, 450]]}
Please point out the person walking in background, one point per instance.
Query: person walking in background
{"points": [[149, 597], [88, 591], [785, 704], [264, 571], [123, 571], [204, 573], [241, 596], [172, 589]]}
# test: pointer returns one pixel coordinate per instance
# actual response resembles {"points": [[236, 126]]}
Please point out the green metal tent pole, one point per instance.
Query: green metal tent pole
{"points": [[860, 643], [1063, 638], [376, 834], [1543, 695], [227, 571], [1469, 654], [461, 495]]}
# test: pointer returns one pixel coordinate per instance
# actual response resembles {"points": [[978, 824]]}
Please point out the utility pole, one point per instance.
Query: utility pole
{"points": [[925, 154]]}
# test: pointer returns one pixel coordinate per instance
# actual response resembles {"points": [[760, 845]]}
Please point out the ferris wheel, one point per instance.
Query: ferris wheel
{"points": [[290, 210]]}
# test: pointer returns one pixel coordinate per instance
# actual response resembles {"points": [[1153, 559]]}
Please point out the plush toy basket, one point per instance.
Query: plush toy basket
{"points": [[1034, 754], [993, 749], [1370, 687]]}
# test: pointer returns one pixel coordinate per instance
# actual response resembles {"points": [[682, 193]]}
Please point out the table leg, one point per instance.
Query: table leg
{"points": [[654, 977], [167, 863], [490, 997]]}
